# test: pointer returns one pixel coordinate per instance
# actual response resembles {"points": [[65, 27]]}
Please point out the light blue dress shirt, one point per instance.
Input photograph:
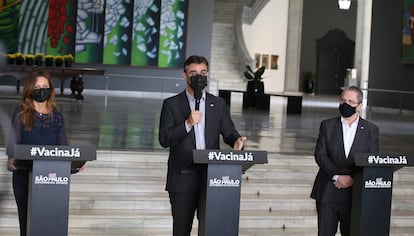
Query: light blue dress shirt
{"points": [[200, 127]]}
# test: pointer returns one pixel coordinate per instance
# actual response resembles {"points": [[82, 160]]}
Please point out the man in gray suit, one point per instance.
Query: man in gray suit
{"points": [[192, 119], [339, 139]]}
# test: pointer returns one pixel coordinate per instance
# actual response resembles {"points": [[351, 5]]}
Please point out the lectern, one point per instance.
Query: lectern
{"points": [[220, 196], [372, 192], [48, 200]]}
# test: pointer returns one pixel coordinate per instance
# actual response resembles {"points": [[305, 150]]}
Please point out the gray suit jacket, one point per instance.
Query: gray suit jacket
{"points": [[183, 175], [331, 159]]}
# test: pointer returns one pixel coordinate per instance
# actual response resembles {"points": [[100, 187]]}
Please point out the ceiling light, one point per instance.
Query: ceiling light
{"points": [[344, 4]]}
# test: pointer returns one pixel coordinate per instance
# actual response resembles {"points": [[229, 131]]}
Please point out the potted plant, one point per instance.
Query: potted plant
{"points": [[38, 59], [58, 60], [255, 84], [49, 60], [19, 58], [10, 58], [309, 82], [68, 59], [29, 59]]}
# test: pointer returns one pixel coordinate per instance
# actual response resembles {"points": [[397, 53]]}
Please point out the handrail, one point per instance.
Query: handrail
{"points": [[389, 91], [245, 14], [143, 76], [241, 48], [398, 92]]}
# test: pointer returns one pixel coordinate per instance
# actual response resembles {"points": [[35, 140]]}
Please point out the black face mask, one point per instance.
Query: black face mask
{"points": [[346, 109], [198, 83], [41, 95]]}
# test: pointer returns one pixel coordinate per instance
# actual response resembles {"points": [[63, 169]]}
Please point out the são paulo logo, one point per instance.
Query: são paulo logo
{"points": [[225, 181], [378, 183], [51, 178]]}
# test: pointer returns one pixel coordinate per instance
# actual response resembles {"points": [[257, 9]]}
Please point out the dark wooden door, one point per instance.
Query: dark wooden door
{"points": [[335, 54]]}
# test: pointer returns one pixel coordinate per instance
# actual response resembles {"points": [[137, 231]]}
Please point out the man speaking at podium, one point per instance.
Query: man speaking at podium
{"points": [[340, 138], [192, 119]]}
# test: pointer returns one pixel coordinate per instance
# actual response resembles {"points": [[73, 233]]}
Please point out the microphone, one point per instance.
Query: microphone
{"points": [[197, 104], [197, 96]]}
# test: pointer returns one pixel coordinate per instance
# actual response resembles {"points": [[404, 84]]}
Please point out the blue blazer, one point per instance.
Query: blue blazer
{"points": [[331, 159], [183, 175]]}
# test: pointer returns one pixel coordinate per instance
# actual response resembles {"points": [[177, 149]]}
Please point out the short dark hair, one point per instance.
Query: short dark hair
{"points": [[196, 60], [355, 89]]}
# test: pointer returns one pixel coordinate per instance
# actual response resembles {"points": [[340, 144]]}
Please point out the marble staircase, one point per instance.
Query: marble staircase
{"points": [[122, 193], [225, 63]]}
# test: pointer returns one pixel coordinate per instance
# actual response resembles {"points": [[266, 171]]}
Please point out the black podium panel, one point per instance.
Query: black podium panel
{"points": [[219, 212], [221, 201], [49, 185], [372, 201], [372, 192], [49, 196]]}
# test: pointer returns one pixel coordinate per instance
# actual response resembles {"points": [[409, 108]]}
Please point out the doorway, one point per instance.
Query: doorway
{"points": [[335, 54]]}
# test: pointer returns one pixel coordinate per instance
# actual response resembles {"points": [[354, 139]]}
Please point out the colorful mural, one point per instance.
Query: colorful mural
{"points": [[146, 33], [89, 32], [61, 27], [116, 32], [9, 25]]}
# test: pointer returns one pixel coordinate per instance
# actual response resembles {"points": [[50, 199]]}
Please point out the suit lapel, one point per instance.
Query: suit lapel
{"points": [[340, 135], [360, 133], [209, 112], [186, 110]]}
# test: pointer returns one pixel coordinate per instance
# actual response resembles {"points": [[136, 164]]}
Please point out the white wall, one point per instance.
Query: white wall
{"points": [[268, 35]]}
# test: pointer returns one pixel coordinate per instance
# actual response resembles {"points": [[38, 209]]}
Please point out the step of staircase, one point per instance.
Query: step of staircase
{"points": [[224, 10], [224, 59], [225, 62], [124, 191]]}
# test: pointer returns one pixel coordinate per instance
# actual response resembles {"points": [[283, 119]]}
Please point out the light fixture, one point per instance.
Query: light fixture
{"points": [[344, 4]]}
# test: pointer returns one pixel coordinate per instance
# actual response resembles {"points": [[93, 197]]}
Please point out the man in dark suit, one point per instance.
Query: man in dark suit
{"points": [[192, 119], [339, 139]]}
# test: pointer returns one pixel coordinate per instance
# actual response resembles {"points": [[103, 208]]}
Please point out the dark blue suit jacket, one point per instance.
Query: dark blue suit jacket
{"points": [[183, 174], [330, 156]]}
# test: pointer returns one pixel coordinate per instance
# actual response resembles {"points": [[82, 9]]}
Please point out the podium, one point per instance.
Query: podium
{"points": [[372, 192], [219, 209], [49, 184]]}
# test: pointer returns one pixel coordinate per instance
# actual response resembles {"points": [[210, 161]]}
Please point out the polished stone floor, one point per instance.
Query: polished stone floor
{"points": [[131, 123], [120, 123]]}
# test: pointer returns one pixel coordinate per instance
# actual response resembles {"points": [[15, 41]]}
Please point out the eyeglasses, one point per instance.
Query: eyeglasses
{"points": [[194, 73], [350, 102]]}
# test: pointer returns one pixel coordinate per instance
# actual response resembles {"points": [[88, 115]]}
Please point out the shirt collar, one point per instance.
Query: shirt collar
{"points": [[353, 123], [191, 97]]}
